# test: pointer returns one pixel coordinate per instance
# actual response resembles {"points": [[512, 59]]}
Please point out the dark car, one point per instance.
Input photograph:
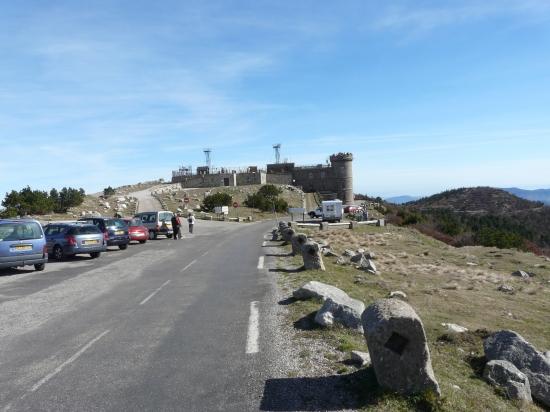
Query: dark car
{"points": [[65, 239], [115, 230], [22, 242]]}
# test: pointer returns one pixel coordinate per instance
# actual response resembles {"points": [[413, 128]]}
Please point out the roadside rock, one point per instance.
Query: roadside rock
{"points": [[367, 265], [318, 290], [398, 295], [454, 328], [521, 274], [329, 253], [348, 253], [506, 288], [505, 375], [360, 358], [343, 310], [287, 234], [341, 261], [312, 257], [398, 347], [510, 346]]}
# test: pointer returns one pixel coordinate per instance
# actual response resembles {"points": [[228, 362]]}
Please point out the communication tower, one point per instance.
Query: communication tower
{"points": [[277, 148], [207, 153]]}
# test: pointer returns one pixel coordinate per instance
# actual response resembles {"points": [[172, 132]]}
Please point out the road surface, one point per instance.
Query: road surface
{"points": [[165, 326], [147, 203]]}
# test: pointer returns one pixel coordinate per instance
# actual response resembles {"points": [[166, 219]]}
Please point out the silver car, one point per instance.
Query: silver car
{"points": [[69, 239]]}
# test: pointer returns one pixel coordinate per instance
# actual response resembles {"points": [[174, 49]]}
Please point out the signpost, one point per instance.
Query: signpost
{"points": [[297, 210]]}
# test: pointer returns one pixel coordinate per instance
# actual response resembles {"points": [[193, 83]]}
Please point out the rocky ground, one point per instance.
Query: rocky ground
{"points": [[472, 287]]}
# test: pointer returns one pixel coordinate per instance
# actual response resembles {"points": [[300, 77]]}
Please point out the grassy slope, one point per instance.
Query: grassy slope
{"points": [[442, 287]]}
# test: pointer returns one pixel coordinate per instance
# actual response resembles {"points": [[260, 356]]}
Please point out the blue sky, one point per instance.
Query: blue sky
{"points": [[428, 95]]}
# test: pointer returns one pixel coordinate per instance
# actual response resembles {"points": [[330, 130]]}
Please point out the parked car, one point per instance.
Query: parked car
{"points": [[115, 230], [69, 239], [158, 223], [22, 243], [136, 230], [352, 209]]}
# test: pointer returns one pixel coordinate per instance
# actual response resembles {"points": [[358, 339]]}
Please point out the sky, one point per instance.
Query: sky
{"points": [[427, 95]]}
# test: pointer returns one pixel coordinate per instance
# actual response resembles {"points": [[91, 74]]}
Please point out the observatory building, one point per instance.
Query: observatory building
{"points": [[332, 180]]}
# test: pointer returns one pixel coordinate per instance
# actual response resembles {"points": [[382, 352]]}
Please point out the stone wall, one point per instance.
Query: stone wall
{"points": [[279, 179]]}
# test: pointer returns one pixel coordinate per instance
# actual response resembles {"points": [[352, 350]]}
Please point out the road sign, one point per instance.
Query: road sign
{"points": [[235, 205], [186, 199]]}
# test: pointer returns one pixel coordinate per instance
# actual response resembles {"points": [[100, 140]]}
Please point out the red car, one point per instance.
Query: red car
{"points": [[137, 231], [352, 209]]}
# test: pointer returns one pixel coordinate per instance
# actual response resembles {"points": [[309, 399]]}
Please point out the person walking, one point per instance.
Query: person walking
{"points": [[191, 221], [176, 226]]}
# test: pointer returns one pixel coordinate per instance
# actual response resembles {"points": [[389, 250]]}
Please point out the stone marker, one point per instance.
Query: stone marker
{"points": [[510, 346], [274, 234], [297, 241], [343, 310], [353, 225], [505, 375], [311, 254], [287, 234], [360, 358], [324, 226], [380, 222], [318, 290], [398, 347]]}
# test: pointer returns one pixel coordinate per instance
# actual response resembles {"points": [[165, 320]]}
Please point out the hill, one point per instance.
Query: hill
{"points": [[537, 195], [479, 216], [476, 200]]}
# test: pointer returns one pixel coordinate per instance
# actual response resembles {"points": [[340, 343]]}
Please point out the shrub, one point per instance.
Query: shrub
{"points": [[267, 199], [108, 191], [216, 199]]}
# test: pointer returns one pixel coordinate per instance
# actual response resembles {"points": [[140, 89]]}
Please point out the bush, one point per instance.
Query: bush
{"points": [[267, 199], [217, 199], [108, 191]]}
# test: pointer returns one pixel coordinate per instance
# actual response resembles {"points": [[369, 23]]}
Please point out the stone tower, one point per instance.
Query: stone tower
{"points": [[343, 176]]}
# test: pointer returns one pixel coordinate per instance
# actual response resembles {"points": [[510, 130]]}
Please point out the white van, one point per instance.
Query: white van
{"points": [[158, 223]]}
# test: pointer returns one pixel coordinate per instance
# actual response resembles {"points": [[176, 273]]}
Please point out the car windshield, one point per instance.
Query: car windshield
{"points": [[20, 231], [118, 223], [165, 216], [134, 222]]}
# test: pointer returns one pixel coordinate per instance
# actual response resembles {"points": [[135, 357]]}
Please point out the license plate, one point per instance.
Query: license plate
{"points": [[22, 247], [90, 242], [119, 232]]}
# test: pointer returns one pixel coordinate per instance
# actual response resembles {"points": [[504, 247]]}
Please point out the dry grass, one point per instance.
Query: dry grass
{"points": [[443, 284]]}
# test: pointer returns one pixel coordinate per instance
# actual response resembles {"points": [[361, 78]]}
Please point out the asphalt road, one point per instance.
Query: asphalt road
{"points": [[146, 201], [164, 326]]}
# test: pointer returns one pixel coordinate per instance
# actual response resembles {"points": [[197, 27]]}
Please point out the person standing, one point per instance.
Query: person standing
{"points": [[191, 221], [176, 226]]}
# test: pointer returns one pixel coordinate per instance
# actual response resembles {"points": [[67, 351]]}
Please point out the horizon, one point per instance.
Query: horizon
{"points": [[427, 98]]}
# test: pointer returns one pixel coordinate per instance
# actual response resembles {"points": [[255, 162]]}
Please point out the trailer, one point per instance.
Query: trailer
{"points": [[332, 210]]}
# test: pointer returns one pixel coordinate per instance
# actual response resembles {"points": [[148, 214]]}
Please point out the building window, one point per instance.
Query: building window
{"points": [[310, 176], [323, 174]]}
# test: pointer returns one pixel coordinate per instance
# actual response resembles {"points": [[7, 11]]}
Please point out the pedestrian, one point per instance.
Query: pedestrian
{"points": [[191, 221], [176, 226]]}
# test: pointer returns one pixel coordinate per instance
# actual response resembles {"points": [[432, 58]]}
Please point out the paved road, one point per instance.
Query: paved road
{"points": [[168, 325], [146, 201]]}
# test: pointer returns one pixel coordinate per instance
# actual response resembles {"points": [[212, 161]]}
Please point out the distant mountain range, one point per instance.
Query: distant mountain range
{"points": [[399, 200], [537, 195]]}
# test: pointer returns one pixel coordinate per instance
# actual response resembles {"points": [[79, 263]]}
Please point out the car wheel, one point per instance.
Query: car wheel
{"points": [[142, 241], [311, 215], [169, 236], [39, 267], [122, 247], [57, 252], [95, 255]]}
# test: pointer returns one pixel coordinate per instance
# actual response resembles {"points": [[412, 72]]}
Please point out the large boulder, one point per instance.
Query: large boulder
{"points": [[398, 347], [506, 376], [343, 310], [318, 290], [311, 254], [367, 265], [297, 241], [510, 346]]}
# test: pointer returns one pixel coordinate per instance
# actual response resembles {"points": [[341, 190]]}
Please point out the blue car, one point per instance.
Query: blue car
{"points": [[22, 243], [69, 239], [115, 230]]}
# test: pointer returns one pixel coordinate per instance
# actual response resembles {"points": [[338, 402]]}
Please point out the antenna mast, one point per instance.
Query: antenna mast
{"points": [[277, 148], [207, 153]]}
